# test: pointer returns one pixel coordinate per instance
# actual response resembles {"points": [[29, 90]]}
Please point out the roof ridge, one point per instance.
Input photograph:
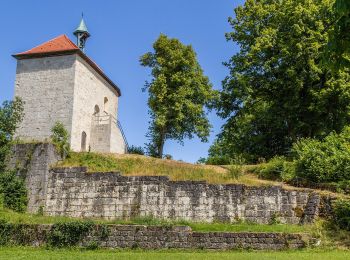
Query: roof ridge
{"points": [[69, 40]]}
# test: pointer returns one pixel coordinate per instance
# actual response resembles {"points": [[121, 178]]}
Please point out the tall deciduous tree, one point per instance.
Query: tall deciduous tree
{"points": [[277, 90], [178, 94], [338, 49]]}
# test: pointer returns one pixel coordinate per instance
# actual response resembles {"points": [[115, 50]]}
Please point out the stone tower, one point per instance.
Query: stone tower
{"points": [[59, 82]]}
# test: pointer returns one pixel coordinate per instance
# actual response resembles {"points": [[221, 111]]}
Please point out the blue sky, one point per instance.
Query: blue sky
{"points": [[121, 32]]}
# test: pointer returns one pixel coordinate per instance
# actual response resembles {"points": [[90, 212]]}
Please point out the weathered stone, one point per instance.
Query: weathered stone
{"points": [[74, 192]]}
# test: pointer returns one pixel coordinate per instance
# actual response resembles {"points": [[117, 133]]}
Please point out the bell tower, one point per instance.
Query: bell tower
{"points": [[82, 34]]}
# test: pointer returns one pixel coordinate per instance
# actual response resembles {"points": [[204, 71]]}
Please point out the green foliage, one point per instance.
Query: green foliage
{"points": [[324, 161], [11, 114], [338, 48], [178, 94], [217, 154], [136, 150], [277, 90], [277, 169], [67, 234], [235, 171], [274, 219], [342, 214], [60, 138], [273, 169], [13, 191]]}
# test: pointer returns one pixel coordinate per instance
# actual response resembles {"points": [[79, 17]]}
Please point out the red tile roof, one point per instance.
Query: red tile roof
{"points": [[62, 45], [58, 44]]}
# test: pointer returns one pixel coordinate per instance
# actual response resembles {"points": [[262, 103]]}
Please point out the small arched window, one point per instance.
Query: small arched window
{"points": [[96, 110], [83, 141], [105, 102]]}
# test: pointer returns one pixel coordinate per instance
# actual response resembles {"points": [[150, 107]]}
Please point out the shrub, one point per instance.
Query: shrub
{"points": [[235, 171], [68, 234], [168, 156], [60, 138], [136, 150], [342, 214], [13, 192], [277, 169], [218, 160], [324, 161]]}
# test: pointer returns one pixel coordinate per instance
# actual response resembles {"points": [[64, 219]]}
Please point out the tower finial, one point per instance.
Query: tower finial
{"points": [[81, 33]]}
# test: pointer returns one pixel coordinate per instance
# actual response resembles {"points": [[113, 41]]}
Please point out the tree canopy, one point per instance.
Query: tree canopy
{"points": [[338, 49], [178, 94], [277, 90]]}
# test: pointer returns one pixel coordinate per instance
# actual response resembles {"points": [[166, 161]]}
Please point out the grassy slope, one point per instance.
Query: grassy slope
{"points": [[40, 253], [134, 165]]}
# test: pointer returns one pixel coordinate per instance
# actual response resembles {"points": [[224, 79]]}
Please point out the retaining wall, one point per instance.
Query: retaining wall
{"points": [[158, 237], [77, 193]]}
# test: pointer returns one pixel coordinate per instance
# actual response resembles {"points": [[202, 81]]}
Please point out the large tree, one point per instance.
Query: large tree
{"points": [[178, 94], [278, 90], [338, 48], [11, 114]]}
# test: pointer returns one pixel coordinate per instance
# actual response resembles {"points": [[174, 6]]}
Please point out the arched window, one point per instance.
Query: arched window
{"points": [[83, 141], [105, 102], [96, 110]]}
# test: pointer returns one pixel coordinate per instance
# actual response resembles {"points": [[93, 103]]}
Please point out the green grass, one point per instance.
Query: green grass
{"points": [[40, 253], [26, 218]]}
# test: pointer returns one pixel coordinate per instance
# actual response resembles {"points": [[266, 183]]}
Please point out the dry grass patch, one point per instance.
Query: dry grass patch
{"points": [[140, 165], [136, 165]]}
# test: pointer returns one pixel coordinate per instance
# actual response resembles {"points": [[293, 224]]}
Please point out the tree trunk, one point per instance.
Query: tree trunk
{"points": [[161, 144]]}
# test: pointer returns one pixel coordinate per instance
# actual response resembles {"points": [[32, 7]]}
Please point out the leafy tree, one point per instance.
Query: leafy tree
{"points": [[178, 94], [13, 194], [60, 137], [338, 48], [277, 90], [11, 114]]}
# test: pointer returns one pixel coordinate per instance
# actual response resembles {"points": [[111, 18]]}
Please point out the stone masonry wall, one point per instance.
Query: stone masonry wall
{"points": [[91, 89], [46, 85], [65, 89], [74, 192], [33, 161], [160, 237]]}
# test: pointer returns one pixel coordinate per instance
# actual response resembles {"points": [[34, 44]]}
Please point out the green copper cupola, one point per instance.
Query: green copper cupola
{"points": [[82, 34]]}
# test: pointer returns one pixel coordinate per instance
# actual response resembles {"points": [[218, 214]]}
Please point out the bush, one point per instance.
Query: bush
{"points": [[235, 171], [324, 161], [342, 214], [168, 156], [13, 192], [136, 150], [68, 234], [218, 160], [60, 138], [277, 169]]}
